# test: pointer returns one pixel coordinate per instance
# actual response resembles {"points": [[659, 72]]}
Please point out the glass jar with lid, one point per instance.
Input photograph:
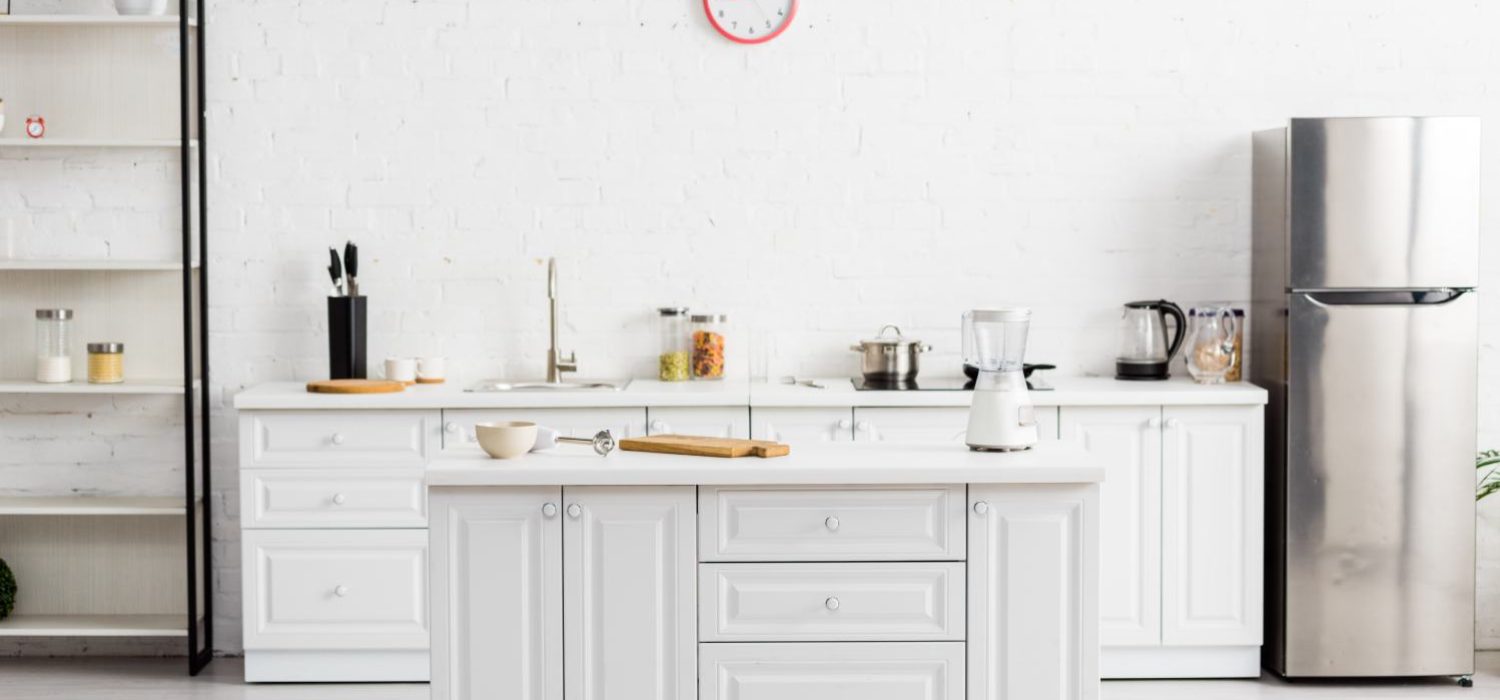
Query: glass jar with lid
{"points": [[54, 362], [106, 363], [709, 345], [673, 362]]}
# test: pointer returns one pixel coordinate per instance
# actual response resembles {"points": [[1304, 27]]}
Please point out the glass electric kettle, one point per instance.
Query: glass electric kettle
{"points": [[1145, 352]]}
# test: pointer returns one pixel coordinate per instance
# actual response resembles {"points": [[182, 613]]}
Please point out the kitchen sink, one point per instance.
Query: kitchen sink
{"points": [[499, 385]]}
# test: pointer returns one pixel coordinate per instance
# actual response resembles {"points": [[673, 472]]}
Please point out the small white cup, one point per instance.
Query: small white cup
{"points": [[432, 370], [401, 369]]}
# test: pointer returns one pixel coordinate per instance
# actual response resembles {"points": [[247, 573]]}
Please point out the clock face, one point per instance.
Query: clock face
{"points": [[750, 21]]}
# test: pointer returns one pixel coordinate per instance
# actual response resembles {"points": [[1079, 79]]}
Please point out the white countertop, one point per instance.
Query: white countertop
{"points": [[1052, 462], [838, 392]]}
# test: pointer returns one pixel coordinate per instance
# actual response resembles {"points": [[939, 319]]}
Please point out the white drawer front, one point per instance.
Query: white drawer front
{"points": [[336, 439], [852, 523], [282, 498], [849, 671], [845, 602], [335, 589]]}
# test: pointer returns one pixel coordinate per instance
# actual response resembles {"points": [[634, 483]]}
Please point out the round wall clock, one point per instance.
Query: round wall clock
{"points": [[750, 21]]}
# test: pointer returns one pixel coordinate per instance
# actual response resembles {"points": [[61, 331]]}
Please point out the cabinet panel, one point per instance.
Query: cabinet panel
{"points": [[802, 424], [335, 589], [859, 671], [710, 421], [630, 589], [497, 601], [1033, 577], [850, 523], [458, 425], [931, 424], [1129, 438], [324, 498], [1212, 539], [844, 602], [334, 439]]}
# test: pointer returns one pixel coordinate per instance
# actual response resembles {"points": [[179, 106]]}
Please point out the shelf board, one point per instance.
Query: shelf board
{"points": [[93, 265], [94, 626], [48, 142], [94, 20], [130, 386], [90, 505]]}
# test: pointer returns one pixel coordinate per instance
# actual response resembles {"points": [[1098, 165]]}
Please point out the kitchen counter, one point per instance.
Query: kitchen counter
{"points": [[838, 392], [813, 463]]}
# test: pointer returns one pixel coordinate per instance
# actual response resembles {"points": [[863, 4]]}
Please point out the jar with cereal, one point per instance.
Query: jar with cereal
{"points": [[672, 363], [708, 345]]}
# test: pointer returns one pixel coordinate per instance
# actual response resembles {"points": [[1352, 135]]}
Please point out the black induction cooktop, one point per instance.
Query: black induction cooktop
{"points": [[922, 384]]}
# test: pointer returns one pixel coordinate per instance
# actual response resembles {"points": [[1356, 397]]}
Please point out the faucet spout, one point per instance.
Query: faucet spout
{"points": [[557, 362]]}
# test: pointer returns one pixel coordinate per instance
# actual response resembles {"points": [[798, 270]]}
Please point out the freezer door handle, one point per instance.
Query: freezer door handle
{"points": [[1388, 297]]}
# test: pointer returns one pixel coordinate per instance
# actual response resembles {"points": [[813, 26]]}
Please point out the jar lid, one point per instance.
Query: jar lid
{"points": [[672, 310], [54, 314], [106, 348], [710, 318]]}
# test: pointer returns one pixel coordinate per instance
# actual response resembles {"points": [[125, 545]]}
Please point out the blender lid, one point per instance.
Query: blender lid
{"points": [[1014, 314]]}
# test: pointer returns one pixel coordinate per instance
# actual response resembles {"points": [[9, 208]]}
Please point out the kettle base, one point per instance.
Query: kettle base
{"points": [[1142, 371]]}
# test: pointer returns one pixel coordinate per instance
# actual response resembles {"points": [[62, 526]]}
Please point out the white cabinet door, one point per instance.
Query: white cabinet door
{"points": [[1212, 538], [630, 591], [1033, 581], [802, 424], [1129, 439], [935, 424], [458, 425], [848, 671], [497, 593], [709, 421]]}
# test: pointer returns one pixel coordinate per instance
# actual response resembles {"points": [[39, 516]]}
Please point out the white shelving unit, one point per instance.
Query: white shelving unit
{"points": [[108, 564]]}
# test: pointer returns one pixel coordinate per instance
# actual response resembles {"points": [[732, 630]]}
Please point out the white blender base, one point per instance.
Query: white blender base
{"points": [[1001, 423]]}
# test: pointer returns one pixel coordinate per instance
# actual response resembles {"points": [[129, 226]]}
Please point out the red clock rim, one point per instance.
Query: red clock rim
{"points": [[792, 17]]}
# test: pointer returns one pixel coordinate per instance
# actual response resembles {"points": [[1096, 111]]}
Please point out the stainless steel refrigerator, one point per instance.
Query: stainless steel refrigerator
{"points": [[1364, 330]]}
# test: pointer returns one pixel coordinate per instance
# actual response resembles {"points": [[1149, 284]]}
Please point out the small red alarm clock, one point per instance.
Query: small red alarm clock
{"points": [[36, 127]]}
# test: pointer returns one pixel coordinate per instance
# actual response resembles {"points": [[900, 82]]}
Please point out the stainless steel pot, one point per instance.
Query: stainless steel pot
{"points": [[889, 359]]}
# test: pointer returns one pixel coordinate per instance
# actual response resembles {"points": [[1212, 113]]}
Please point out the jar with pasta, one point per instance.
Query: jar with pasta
{"points": [[709, 345], [106, 363], [676, 353]]}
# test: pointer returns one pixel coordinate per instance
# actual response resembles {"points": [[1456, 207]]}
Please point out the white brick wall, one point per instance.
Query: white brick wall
{"points": [[882, 161]]}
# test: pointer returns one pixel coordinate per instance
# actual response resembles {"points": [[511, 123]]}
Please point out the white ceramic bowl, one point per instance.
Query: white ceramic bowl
{"points": [[141, 7], [506, 439]]}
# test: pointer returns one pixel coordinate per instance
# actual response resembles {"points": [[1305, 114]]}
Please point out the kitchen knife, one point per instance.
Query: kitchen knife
{"points": [[336, 271], [351, 267]]}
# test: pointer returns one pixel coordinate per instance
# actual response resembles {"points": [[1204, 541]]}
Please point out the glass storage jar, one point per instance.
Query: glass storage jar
{"points": [[106, 363], [54, 364], [672, 363], [708, 345]]}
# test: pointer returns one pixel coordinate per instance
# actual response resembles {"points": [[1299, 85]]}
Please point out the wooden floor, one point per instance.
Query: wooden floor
{"points": [[164, 679]]}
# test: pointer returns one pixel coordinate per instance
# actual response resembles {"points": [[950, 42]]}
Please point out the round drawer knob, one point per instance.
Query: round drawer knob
{"points": [[451, 427], [832, 603], [549, 509], [832, 523], [575, 510], [845, 424], [337, 439], [980, 508], [341, 591], [863, 426], [338, 499], [1174, 423], [659, 427]]}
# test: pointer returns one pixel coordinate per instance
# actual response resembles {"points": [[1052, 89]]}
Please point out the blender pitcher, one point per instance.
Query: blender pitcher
{"points": [[1145, 352]]}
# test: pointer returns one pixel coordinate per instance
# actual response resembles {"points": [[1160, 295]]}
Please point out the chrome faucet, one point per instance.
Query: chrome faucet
{"points": [[557, 363]]}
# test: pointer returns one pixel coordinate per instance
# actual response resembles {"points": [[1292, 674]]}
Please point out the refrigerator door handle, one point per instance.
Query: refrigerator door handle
{"points": [[1388, 297]]}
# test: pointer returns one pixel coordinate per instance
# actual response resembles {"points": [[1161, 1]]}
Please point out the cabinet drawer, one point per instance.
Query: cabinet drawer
{"points": [[335, 589], [458, 425], [280, 498], [845, 602], [849, 671], [327, 439], [854, 523]]}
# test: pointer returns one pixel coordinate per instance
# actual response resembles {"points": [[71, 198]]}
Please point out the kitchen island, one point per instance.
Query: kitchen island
{"points": [[868, 571]]}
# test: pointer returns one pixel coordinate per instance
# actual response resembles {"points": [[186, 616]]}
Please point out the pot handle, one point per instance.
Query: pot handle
{"points": [[889, 327], [923, 347], [857, 347]]}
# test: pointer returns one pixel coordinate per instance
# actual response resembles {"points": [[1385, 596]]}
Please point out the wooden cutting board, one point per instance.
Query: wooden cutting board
{"points": [[354, 386], [705, 446]]}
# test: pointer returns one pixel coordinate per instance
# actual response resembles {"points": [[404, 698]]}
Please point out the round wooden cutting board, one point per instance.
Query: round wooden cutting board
{"points": [[354, 386]]}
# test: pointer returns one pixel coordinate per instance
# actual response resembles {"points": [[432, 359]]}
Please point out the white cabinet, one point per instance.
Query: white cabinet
{"points": [[802, 424], [1212, 501], [498, 559], [850, 671], [937, 424], [630, 593], [1032, 568], [710, 421], [825, 523], [1130, 512], [458, 425], [325, 439], [329, 498]]}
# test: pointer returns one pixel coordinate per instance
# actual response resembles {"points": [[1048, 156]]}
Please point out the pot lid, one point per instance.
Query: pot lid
{"points": [[881, 338]]}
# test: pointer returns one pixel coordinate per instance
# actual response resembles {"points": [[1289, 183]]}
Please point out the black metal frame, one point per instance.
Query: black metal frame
{"points": [[197, 470]]}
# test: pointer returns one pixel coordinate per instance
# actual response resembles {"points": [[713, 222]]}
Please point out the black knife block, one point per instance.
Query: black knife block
{"points": [[348, 320]]}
